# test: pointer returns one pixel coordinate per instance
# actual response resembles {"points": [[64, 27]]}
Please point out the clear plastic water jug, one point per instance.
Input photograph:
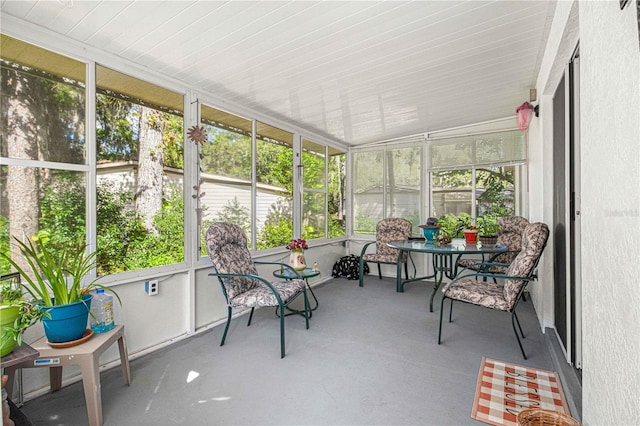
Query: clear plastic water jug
{"points": [[101, 318]]}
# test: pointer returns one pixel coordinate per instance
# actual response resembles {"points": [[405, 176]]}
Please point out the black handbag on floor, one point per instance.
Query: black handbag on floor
{"points": [[347, 266]]}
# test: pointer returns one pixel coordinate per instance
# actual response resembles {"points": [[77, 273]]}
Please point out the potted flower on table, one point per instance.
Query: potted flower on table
{"points": [[296, 258], [471, 234]]}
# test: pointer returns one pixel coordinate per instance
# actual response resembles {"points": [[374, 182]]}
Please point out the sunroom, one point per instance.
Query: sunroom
{"points": [[322, 119]]}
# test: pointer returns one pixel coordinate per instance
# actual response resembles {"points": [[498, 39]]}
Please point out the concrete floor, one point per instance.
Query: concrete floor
{"points": [[370, 357]]}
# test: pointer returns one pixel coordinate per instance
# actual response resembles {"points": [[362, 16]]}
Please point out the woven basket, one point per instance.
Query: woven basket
{"points": [[542, 417], [488, 240]]}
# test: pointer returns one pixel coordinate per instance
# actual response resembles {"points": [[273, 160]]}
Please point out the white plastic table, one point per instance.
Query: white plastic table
{"points": [[87, 356]]}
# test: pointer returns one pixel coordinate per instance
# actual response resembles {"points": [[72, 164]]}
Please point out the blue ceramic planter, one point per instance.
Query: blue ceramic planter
{"points": [[67, 322], [429, 232]]}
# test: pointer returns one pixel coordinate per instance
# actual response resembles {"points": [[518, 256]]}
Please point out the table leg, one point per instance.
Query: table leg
{"points": [[92, 392], [11, 372], [55, 378], [295, 311], [314, 298], [399, 283], [124, 360], [441, 267]]}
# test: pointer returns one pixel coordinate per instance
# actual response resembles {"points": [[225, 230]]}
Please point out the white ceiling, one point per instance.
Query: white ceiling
{"points": [[355, 71]]}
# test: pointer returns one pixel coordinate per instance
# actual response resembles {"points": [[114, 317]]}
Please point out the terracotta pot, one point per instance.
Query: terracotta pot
{"points": [[470, 236]]}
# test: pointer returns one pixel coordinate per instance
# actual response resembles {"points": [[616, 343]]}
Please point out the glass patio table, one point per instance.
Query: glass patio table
{"points": [[442, 258], [305, 274]]}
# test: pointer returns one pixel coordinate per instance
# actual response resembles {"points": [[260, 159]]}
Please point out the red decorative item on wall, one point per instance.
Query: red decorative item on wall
{"points": [[524, 114]]}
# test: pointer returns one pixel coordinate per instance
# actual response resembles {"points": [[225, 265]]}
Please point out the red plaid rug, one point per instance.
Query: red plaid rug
{"points": [[503, 390]]}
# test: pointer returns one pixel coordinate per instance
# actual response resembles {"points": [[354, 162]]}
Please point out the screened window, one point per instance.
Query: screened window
{"points": [[43, 120], [386, 184], [368, 196], [323, 191], [337, 193], [140, 210], [476, 179], [225, 175], [403, 175], [274, 174], [314, 204]]}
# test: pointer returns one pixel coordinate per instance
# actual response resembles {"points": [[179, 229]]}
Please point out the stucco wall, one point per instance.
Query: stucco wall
{"points": [[610, 146], [610, 201]]}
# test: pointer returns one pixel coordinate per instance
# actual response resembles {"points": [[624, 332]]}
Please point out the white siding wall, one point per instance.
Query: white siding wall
{"points": [[217, 191], [610, 196]]}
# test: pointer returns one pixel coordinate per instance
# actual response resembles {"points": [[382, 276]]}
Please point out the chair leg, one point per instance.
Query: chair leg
{"points": [[514, 319], [379, 271], [306, 308], [406, 271], [282, 332], [440, 326], [518, 322], [360, 271], [226, 328], [251, 317], [450, 309]]}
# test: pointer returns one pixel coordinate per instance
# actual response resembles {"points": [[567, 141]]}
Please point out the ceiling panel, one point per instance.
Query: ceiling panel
{"points": [[355, 71]]}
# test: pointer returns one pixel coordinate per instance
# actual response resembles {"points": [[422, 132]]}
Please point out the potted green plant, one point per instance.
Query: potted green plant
{"points": [[453, 225], [488, 229], [55, 283], [16, 315]]}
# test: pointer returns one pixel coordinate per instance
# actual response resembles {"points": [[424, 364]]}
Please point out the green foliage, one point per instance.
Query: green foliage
{"points": [[365, 224], [453, 225], [167, 245], [62, 212], [487, 225], [227, 154], [46, 277], [123, 242], [278, 228], [274, 234], [234, 212], [115, 130], [497, 182], [119, 228], [274, 165], [5, 266], [28, 313], [172, 141], [337, 228]]}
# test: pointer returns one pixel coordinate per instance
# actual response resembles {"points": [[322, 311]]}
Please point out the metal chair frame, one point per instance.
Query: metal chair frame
{"points": [[280, 306], [531, 276]]}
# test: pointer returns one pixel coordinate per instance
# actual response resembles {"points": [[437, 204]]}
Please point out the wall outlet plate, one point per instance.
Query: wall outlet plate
{"points": [[151, 287]]}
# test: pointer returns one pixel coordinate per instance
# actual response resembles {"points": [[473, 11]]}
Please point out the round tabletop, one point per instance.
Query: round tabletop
{"points": [[289, 274], [430, 247]]}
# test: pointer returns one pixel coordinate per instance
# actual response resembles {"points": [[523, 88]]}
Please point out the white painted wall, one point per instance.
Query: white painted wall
{"points": [[610, 176], [610, 118]]}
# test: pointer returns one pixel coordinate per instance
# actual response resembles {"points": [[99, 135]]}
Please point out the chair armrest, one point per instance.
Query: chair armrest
{"points": [[484, 266], [255, 277], [364, 248], [485, 274]]}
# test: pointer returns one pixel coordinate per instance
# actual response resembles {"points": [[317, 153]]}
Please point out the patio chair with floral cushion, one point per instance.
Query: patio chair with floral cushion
{"points": [[510, 231], [469, 289], [239, 280], [389, 229]]}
